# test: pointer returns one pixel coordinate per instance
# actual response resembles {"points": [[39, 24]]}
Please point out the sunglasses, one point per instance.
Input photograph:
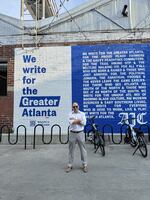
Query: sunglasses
{"points": [[75, 106]]}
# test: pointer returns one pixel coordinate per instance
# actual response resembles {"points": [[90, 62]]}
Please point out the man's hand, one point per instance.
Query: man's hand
{"points": [[77, 121]]}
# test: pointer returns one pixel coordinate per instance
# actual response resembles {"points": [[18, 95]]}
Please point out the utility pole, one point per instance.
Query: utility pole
{"points": [[22, 20]]}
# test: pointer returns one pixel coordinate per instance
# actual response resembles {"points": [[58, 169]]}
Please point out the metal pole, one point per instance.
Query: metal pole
{"points": [[43, 17], [36, 25], [22, 19], [130, 14]]}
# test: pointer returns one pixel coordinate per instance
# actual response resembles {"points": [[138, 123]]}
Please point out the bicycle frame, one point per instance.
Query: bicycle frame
{"points": [[96, 137]]}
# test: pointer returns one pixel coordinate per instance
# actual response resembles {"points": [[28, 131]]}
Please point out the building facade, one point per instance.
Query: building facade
{"points": [[98, 26]]}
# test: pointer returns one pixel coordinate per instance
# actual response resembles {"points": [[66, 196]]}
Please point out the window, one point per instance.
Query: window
{"points": [[3, 78]]}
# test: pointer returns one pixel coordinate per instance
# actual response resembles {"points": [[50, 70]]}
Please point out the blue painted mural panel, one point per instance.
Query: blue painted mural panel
{"points": [[112, 82]]}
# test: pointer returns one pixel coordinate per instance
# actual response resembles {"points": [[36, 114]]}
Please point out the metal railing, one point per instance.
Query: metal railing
{"points": [[57, 127], [17, 133], [34, 135], [51, 134], [1, 131]]}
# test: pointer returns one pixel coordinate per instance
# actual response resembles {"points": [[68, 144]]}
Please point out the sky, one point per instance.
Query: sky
{"points": [[12, 7]]}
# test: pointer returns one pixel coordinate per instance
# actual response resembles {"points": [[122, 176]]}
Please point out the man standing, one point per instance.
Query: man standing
{"points": [[77, 121]]}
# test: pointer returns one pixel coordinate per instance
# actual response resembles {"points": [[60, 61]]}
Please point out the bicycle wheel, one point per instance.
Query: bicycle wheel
{"points": [[142, 146], [90, 136], [100, 144], [132, 142]]}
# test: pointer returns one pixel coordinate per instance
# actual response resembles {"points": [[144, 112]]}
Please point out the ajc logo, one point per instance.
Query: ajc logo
{"points": [[132, 118]]}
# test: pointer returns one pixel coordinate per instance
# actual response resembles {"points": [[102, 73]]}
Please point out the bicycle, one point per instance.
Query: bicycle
{"points": [[135, 137], [96, 137]]}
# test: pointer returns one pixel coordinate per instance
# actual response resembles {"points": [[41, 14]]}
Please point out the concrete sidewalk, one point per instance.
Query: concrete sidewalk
{"points": [[39, 174]]}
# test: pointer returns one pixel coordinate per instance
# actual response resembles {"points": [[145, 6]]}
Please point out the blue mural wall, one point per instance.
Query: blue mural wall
{"points": [[112, 82]]}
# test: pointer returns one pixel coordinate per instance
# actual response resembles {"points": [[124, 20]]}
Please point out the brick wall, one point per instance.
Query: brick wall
{"points": [[6, 102]]}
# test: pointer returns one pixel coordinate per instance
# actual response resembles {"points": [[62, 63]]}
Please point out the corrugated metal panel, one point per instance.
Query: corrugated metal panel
{"points": [[9, 25], [140, 12], [102, 17]]}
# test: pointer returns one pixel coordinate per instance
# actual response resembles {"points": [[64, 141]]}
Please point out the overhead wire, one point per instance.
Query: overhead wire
{"points": [[54, 17], [71, 17], [48, 26], [80, 30], [44, 28]]}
